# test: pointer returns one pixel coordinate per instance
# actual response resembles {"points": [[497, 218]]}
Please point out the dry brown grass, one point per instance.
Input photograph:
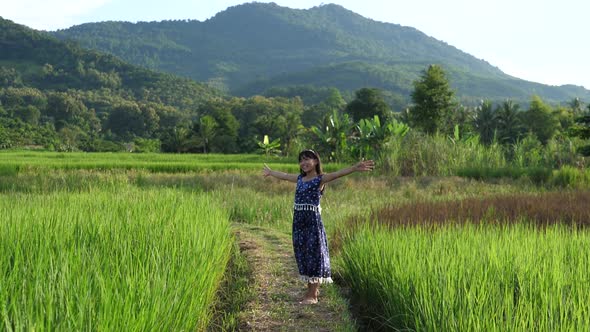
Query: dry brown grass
{"points": [[570, 208]]}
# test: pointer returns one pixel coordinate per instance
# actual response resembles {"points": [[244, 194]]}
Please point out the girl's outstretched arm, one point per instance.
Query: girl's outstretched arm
{"points": [[266, 171], [363, 166]]}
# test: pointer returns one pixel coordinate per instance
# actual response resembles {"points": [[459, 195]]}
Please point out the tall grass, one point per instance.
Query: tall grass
{"points": [[418, 154], [470, 278], [129, 260], [571, 177], [427, 155]]}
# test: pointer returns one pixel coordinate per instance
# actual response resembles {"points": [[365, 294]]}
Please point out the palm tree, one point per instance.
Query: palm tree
{"points": [[577, 106], [485, 122], [207, 130], [510, 128]]}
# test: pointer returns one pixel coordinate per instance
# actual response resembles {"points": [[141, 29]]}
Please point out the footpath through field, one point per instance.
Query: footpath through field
{"points": [[275, 306]]}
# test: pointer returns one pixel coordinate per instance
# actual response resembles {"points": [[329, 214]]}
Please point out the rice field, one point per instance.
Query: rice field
{"points": [[509, 269], [127, 260], [141, 242], [16, 161]]}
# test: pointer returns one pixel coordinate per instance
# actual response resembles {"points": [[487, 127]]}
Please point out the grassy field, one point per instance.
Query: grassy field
{"points": [[130, 259], [117, 241], [16, 161], [470, 278]]}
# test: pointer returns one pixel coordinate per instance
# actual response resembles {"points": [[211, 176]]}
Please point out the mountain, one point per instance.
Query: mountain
{"points": [[37, 59], [58, 95], [250, 48]]}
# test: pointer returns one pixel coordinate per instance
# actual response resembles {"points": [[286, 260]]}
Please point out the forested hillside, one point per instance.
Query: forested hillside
{"points": [[253, 47], [59, 95]]}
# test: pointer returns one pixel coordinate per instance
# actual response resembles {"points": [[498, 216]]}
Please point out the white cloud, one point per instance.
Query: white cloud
{"points": [[48, 15]]}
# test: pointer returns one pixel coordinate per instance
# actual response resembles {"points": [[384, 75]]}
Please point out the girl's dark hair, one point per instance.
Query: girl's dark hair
{"points": [[318, 167], [311, 155]]}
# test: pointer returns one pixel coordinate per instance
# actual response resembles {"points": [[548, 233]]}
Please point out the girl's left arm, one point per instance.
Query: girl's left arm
{"points": [[363, 166]]}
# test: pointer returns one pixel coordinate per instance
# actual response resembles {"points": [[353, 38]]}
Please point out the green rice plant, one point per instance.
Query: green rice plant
{"points": [[37, 181], [8, 170], [253, 207], [469, 278], [123, 260], [151, 162]]}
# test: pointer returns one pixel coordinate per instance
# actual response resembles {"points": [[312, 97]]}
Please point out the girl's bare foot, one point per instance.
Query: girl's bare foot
{"points": [[309, 301], [311, 296]]}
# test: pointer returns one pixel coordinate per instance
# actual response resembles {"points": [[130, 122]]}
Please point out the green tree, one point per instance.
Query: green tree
{"points": [[226, 137], [151, 119], [577, 106], [67, 109], [71, 137], [276, 117], [169, 116], [510, 128], [540, 121], [433, 100], [314, 115], [21, 97], [368, 102], [484, 122], [127, 121], [205, 132], [29, 114], [462, 118], [565, 117], [581, 129], [176, 139]]}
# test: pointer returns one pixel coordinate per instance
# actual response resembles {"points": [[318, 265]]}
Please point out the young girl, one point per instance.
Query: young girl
{"points": [[309, 236]]}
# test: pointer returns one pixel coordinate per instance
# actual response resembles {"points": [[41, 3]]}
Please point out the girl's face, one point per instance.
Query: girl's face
{"points": [[308, 164]]}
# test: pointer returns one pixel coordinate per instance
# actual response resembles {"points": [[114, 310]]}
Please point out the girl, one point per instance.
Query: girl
{"points": [[309, 236]]}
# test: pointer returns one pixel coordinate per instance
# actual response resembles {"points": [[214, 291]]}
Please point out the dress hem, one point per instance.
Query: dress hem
{"points": [[316, 280]]}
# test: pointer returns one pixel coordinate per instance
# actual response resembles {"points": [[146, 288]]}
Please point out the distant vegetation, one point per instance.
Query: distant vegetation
{"points": [[56, 96], [250, 48]]}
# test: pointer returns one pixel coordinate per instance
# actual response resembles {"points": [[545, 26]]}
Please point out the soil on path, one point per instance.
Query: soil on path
{"points": [[275, 306]]}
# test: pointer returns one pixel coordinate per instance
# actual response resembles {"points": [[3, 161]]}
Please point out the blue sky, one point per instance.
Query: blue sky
{"points": [[537, 40]]}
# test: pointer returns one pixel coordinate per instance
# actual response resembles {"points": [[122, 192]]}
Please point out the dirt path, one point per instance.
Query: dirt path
{"points": [[278, 291]]}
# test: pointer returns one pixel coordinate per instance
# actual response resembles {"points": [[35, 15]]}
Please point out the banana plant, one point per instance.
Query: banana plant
{"points": [[335, 135], [372, 135], [267, 147]]}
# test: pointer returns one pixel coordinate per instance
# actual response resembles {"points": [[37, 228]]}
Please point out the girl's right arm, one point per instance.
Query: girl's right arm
{"points": [[266, 171]]}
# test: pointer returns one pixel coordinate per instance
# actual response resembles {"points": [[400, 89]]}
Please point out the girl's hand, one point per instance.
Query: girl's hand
{"points": [[266, 170], [365, 165]]}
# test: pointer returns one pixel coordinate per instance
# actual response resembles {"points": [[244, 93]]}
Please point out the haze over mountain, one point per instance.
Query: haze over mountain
{"points": [[253, 47]]}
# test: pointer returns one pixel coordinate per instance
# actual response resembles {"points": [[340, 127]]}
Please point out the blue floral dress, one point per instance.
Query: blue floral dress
{"points": [[309, 236]]}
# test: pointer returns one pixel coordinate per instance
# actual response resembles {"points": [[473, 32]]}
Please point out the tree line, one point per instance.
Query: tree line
{"points": [[99, 120]]}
